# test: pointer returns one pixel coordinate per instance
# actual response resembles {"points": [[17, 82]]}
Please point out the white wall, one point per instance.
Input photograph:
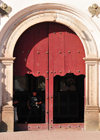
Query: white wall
{"points": [[18, 5]]}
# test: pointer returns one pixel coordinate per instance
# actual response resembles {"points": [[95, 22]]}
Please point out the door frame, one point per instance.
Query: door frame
{"points": [[68, 16]]}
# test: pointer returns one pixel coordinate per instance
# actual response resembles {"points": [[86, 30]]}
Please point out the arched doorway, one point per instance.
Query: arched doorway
{"points": [[49, 60], [81, 24]]}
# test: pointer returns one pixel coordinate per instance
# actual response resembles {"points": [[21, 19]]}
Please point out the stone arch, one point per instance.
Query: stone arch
{"points": [[74, 19]]}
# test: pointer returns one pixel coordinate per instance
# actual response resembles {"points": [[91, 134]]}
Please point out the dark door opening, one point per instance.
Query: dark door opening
{"points": [[23, 88], [68, 99]]}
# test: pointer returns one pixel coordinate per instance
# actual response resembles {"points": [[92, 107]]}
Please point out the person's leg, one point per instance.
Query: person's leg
{"points": [[29, 116], [37, 116]]}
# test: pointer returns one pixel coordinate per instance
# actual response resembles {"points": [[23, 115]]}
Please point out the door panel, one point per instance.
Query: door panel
{"points": [[33, 48], [33, 61], [56, 61], [56, 48], [53, 51], [74, 54], [65, 57], [68, 99]]}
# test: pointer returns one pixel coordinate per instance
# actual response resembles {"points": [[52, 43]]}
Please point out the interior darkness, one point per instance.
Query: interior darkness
{"points": [[23, 88], [68, 99]]}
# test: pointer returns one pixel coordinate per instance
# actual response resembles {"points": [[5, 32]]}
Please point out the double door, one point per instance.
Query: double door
{"points": [[53, 55]]}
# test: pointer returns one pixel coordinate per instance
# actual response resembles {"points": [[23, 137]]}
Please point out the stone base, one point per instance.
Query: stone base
{"points": [[7, 123], [91, 118]]}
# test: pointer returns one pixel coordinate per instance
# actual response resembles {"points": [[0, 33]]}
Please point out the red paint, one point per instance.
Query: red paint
{"points": [[66, 52], [49, 49], [30, 52]]}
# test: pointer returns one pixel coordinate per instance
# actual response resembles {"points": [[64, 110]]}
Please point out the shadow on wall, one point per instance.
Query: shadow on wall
{"points": [[86, 36], [5, 97], [3, 126]]}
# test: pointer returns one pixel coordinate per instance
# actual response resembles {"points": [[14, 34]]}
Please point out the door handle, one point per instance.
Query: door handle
{"points": [[51, 97]]}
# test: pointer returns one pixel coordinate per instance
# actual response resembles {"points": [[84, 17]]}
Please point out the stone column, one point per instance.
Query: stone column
{"points": [[91, 100], [7, 94], [0, 91]]}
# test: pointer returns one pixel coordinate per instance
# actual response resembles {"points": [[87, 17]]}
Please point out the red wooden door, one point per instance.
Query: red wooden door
{"points": [[48, 50], [66, 55], [32, 59]]}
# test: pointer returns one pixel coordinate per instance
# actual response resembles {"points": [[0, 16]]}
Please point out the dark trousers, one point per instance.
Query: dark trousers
{"points": [[33, 116]]}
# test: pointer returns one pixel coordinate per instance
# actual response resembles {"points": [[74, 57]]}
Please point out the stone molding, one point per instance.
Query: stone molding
{"points": [[91, 59], [7, 58], [8, 108], [92, 108]]}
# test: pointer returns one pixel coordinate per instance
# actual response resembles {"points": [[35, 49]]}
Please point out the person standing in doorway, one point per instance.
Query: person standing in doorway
{"points": [[33, 104]]}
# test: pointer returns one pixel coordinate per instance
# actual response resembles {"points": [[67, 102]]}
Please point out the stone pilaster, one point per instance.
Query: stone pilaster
{"points": [[91, 104], [91, 118], [0, 90], [7, 94], [7, 123]]}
